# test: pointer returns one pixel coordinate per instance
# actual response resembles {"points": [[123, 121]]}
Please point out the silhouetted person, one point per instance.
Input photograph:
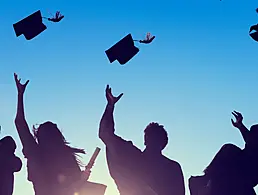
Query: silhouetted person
{"points": [[52, 165], [250, 152], [136, 172], [9, 164], [232, 170]]}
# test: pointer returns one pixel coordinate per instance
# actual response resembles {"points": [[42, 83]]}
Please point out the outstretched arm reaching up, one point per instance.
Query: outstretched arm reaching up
{"points": [[239, 124], [20, 121], [107, 124]]}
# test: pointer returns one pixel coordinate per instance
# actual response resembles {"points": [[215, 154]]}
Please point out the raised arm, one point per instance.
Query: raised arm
{"points": [[107, 124], [239, 124], [20, 121]]}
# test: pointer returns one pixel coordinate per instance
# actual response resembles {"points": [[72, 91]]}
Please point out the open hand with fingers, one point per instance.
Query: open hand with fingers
{"points": [[110, 98], [239, 119], [20, 87]]}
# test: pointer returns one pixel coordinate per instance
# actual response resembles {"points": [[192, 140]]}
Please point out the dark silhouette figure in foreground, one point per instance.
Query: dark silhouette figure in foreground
{"points": [[232, 171], [136, 172], [52, 165], [9, 164]]}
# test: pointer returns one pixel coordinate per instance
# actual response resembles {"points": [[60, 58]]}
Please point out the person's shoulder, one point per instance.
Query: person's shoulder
{"points": [[122, 140], [128, 144], [172, 163]]}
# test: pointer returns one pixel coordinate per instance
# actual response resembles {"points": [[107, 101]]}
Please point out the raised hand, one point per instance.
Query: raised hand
{"points": [[20, 87], [110, 98], [239, 119]]}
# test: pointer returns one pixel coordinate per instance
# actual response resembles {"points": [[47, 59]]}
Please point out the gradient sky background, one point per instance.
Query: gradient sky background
{"points": [[201, 66]]}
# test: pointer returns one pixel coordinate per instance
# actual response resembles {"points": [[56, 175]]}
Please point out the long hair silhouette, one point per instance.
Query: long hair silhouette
{"points": [[51, 140]]}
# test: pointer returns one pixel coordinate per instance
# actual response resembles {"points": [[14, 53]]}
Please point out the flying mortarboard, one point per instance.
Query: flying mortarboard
{"points": [[30, 26], [122, 51], [254, 35]]}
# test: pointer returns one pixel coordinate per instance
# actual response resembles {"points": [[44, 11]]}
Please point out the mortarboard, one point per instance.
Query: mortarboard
{"points": [[254, 36], [30, 26], [122, 51]]}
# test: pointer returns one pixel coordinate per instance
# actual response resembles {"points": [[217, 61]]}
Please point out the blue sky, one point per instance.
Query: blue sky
{"points": [[200, 67]]}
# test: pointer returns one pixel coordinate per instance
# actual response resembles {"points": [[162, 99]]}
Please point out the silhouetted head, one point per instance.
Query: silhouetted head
{"points": [[48, 135], [52, 142], [8, 144], [155, 137]]}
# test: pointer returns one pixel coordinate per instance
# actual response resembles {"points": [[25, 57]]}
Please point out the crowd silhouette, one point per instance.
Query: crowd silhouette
{"points": [[53, 166]]}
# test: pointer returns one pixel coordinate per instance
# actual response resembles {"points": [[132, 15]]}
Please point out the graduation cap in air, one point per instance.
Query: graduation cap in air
{"points": [[254, 35], [32, 25], [122, 51]]}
